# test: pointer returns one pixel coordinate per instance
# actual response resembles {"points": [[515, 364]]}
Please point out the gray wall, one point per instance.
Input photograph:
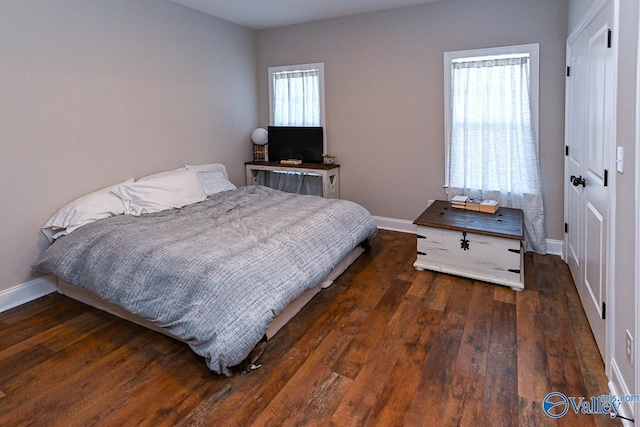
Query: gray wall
{"points": [[384, 92], [93, 92], [625, 219], [577, 10]]}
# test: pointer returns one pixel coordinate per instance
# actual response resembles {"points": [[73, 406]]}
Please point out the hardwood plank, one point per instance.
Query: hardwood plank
{"points": [[564, 368], [436, 297], [422, 283], [531, 345], [373, 325], [61, 335], [385, 345], [530, 277], [26, 366], [314, 391], [371, 380], [396, 397], [186, 390], [60, 398], [474, 344], [464, 404], [504, 294], [49, 315], [440, 367], [500, 391], [532, 415], [34, 308]]}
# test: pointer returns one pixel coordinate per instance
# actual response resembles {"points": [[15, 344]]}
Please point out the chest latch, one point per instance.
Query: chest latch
{"points": [[464, 243]]}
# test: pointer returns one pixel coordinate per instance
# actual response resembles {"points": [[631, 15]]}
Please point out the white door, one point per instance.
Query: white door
{"points": [[576, 99], [590, 137]]}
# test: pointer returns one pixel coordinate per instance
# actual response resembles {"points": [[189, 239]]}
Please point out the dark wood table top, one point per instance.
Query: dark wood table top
{"points": [[317, 166], [506, 222]]}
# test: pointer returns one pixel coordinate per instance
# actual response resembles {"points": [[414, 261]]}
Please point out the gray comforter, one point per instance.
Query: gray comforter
{"points": [[213, 273]]}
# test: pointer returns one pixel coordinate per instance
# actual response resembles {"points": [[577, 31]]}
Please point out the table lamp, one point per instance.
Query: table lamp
{"points": [[259, 137]]}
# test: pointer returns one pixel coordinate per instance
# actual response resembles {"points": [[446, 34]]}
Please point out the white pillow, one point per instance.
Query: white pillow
{"points": [[160, 192], [214, 182], [210, 167], [155, 175], [92, 207]]}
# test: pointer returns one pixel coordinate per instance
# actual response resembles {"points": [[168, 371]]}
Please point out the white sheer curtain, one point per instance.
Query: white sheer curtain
{"points": [[296, 98], [298, 183], [493, 150]]}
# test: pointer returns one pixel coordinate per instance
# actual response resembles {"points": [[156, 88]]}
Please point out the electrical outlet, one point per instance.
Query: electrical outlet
{"points": [[629, 347]]}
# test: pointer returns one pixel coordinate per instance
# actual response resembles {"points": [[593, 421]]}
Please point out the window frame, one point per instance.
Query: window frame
{"points": [[533, 50], [299, 67]]}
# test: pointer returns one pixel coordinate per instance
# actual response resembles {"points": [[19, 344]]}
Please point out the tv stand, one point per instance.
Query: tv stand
{"points": [[330, 174]]}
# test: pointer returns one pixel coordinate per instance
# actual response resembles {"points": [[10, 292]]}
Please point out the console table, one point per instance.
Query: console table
{"points": [[330, 174], [477, 245]]}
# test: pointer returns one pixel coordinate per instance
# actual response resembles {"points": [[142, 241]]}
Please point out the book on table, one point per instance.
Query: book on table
{"points": [[489, 206], [291, 162], [459, 202], [473, 204]]}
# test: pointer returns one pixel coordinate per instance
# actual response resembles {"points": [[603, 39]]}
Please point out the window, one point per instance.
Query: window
{"points": [[491, 128], [296, 95], [491, 109]]}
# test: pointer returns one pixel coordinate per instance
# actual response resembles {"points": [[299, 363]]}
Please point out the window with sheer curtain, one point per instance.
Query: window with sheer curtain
{"points": [[491, 121], [296, 94]]}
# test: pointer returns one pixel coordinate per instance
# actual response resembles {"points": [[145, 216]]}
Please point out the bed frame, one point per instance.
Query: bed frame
{"points": [[87, 297]]}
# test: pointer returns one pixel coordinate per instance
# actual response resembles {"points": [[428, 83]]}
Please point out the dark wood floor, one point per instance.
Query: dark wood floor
{"points": [[385, 345]]}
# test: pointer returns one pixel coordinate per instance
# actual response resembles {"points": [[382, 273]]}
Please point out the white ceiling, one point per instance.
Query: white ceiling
{"points": [[262, 14]]}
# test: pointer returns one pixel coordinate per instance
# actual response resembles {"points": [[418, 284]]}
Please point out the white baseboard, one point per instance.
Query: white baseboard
{"points": [[393, 224], [618, 386], [554, 247], [26, 292]]}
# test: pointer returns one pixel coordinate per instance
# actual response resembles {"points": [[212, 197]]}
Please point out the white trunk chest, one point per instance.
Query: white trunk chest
{"points": [[477, 245]]}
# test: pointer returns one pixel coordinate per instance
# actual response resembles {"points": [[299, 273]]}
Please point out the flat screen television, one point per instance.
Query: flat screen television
{"points": [[296, 142]]}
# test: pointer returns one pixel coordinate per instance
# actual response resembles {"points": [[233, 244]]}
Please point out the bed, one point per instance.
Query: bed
{"points": [[222, 274]]}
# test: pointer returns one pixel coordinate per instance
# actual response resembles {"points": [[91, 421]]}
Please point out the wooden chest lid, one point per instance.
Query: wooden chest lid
{"points": [[506, 222]]}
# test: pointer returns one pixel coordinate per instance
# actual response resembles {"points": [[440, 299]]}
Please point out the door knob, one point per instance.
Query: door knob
{"points": [[577, 181]]}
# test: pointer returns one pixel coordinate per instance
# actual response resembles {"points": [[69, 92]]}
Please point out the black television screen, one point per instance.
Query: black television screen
{"points": [[296, 142]]}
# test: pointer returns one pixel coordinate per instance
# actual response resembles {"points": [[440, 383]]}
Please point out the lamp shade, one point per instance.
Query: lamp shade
{"points": [[259, 136]]}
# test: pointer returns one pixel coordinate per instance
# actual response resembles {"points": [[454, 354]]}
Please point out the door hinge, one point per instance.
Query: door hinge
{"points": [[604, 310], [606, 177], [566, 227], [568, 71], [609, 38], [566, 150]]}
